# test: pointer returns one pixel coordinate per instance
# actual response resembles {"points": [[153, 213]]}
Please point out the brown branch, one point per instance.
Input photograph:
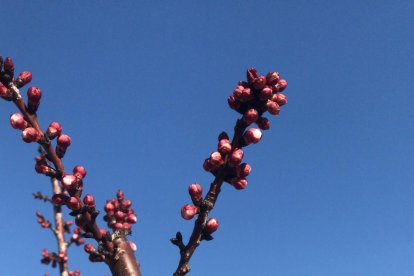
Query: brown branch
{"points": [[207, 205], [114, 259]]}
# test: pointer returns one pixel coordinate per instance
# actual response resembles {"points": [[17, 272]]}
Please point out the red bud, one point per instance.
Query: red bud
{"points": [[188, 211], [211, 225]]}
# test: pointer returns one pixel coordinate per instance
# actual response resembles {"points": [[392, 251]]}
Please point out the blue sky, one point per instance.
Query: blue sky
{"points": [[141, 87]]}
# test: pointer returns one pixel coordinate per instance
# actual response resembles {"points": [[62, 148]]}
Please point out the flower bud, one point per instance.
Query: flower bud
{"points": [[272, 78], [126, 226], [118, 226], [272, 107], [239, 183], [63, 143], [89, 200], [132, 245], [73, 203], [252, 136], [237, 93], [8, 65], [30, 135], [280, 86], [119, 215], [33, 95], [263, 123], [120, 195], [216, 159], [280, 98], [246, 95], [211, 225], [236, 157], [188, 211], [224, 146], [69, 181], [109, 207], [196, 191], [244, 170], [24, 77], [265, 93], [132, 218], [223, 135], [17, 121], [126, 204], [59, 199], [54, 130], [233, 103], [259, 83], [207, 165], [79, 172], [89, 248], [251, 74], [42, 168], [250, 116], [3, 90]]}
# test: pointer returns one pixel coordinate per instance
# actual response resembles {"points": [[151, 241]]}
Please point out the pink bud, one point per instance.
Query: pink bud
{"points": [[45, 253], [34, 94], [259, 82], [119, 215], [280, 86], [59, 199], [272, 107], [89, 200], [188, 211], [42, 168], [265, 93], [103, 231], [120, 195], [126, 204], [237, 93], [89, 248], [250, 116], [272, 78], [246, 95], [132, 245], [224, 146], [239, 183], [263, 123], [252, 135], [30, 135], [236, 157], [211, 225], [132, 218], [17, 121], [216, 159], [54, 130], [207, 165], [280, 98], [196, 191], [63, 141], [223, 135], [3, 90], [69, 181], [8, 65], [73, 203], [109, 207], [244, 170], [126, 226], [79, 172], [233, 103], [251, 74], [118, 226], [25, 77]]}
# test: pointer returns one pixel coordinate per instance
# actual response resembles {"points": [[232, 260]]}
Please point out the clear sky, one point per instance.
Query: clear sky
{"points": [[141, 87]]}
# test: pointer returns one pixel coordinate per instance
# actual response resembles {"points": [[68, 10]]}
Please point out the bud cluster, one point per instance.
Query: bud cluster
{"points": [[42, 221], [77, 236], [52, 257], [119, 214], [256, 96]]}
